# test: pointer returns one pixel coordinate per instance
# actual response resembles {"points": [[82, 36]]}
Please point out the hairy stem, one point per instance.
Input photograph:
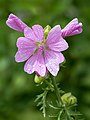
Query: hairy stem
{"points": [[67, 113], [57, 91], [60, 102]]}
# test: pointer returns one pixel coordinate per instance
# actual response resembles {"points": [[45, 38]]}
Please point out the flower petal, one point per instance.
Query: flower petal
{"points": [[35, 63], [52, 61], [22, 56], [39, 32], [24, 43], [60, 45], [15, 23], [72, 28], [55, 41], [54, 35], [40, 66], [25, 49], [29, 33]]}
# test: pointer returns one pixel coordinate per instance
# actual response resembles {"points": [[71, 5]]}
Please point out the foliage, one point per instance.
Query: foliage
{"points": [[65, 102]]}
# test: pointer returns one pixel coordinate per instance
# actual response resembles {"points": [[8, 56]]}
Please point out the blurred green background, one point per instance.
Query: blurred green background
{"points": [[17, 89]]}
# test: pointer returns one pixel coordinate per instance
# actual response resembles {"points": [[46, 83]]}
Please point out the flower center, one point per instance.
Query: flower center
{"points": [[38, 44], [41, 46]]}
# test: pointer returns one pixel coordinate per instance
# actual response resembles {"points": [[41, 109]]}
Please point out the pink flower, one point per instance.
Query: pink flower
{"points": [[72, 28], [40, 53]]}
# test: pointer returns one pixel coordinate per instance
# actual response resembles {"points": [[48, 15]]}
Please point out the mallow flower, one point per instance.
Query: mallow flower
{"points": [[72, 28], [41, 52]]}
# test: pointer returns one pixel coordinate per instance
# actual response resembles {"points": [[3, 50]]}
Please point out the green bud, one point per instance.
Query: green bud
{"points": [[46, 30], [68, 99], [38, 79]]}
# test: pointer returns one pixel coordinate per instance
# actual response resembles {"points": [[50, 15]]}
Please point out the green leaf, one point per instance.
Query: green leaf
{"points": [[42, 102]]}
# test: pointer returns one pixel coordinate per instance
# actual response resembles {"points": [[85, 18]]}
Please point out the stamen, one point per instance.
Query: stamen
{"points": [[38, 44], [44, 41], [42, 53]]}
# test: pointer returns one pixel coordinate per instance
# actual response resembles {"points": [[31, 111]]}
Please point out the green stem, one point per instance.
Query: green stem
{"points": [[67, 113], [50, 85], [59, 98], [57, 92]]}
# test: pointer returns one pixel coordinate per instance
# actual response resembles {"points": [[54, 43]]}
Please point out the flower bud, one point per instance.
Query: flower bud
{"points": [[72, 28], [38, 79], [46, 30], [68, 99]]}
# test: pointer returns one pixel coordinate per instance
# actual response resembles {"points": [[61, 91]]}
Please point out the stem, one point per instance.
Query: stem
{"points": [[44, 103], [50, 85], [59, 98], [57, 92], [67, 113]]}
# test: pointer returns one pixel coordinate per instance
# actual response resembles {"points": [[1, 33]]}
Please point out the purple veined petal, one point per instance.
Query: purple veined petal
{"points": [[54, 35], [25, 49], [40, 67], [22, 56], [77, 30], [56, 56], [52, 61], [35, 64], [30, 64], [59, 46], [72, 28], [71, 23], [39, 32], [15, 23], [29, 33], [24, 43], [44, 75]]}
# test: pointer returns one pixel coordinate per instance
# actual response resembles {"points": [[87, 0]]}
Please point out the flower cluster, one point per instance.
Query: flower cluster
{"points": [[42, 52]]}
